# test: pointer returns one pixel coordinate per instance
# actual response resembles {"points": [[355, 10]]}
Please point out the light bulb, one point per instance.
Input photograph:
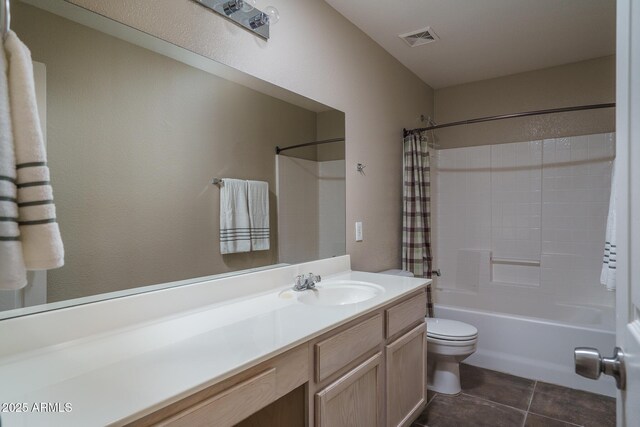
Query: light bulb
{"points": [[269, 16], [273, 14], [248, 5]]}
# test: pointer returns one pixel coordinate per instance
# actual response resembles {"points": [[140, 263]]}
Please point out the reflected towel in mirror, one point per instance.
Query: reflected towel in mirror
{"points": [[235, 235], [12, 271], [41, 242], [258, 195]]}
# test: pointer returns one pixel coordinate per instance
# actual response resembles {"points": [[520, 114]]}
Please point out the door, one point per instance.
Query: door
{"points": [[354, 400], [406, 385], [625, 365], [628, 208]]}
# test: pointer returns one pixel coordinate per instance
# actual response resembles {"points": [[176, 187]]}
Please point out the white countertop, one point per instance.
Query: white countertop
{"points": [[120, 375]]}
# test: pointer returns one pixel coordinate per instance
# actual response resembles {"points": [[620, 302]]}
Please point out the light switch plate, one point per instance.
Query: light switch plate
{"points": [[359, 231]]}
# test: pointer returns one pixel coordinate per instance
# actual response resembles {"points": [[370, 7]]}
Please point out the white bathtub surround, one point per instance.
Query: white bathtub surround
{"points": [[258, 195], [164, 345], [539, 207], [533, 348], [473, 269], [608, 274], [234, 217], [42, 246]]}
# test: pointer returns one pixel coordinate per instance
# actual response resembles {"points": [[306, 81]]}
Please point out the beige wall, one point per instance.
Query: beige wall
{"points": [[586, 82], [330, 125], [316, 52], [134, 139]]}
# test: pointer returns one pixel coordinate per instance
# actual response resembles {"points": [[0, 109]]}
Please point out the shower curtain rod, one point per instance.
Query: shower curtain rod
{"points": [[326, 141], [514, 115]]}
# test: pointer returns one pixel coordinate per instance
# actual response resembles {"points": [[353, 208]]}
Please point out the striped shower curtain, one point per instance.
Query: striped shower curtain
{"points": [[416, 211], [416, 231]]}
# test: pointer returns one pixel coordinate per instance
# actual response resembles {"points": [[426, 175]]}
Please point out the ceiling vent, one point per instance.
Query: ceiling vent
{"points": [[419, 37]]}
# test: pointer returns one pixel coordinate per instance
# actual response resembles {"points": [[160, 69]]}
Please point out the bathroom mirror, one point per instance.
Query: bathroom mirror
{"points": [[136, 129]]}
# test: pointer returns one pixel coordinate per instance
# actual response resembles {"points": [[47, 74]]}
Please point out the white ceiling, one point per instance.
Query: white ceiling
{"points": [[481, 39]]}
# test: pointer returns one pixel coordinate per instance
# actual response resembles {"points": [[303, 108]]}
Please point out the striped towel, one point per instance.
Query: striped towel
{"points": [[235, 234], [608, 273], [13, 274], [41, 242], [258, 194]]}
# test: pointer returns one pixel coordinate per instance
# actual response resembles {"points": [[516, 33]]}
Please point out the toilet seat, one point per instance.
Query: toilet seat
{"points": [[450, 330]]}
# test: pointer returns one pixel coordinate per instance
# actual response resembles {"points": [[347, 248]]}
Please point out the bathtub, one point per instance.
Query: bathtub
{"points": [[535, 348]]}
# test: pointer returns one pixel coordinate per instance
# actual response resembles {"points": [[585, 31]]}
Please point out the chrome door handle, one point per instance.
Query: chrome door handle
{"points": [[590, 364]]}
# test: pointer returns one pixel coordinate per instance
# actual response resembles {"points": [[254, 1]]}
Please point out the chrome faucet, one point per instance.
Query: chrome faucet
{"points": [[306, 281]]}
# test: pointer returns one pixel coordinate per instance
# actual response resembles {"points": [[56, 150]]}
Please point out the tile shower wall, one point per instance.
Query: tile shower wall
{"points": [[520, 204], [516, 204], [463, 211], [576, 184]]}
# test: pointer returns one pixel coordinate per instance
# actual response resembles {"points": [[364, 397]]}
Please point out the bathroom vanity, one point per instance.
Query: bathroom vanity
{"points": [[361, 373], [238, 350]]}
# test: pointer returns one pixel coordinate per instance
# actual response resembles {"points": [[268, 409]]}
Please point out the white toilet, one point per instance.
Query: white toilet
{"points": [[449, 342]]}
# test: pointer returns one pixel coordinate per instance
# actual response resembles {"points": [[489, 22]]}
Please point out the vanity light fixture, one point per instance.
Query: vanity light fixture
{"points": [[233, 6], [269, 16], [245, 14]]}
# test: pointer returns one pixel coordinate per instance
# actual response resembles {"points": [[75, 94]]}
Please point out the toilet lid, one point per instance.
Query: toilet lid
{"points": [[450, 329]]}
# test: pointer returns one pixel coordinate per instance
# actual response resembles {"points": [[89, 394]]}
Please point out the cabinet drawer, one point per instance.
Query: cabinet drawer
{"points": [[346, 346], [405, 314], [230, 406]]}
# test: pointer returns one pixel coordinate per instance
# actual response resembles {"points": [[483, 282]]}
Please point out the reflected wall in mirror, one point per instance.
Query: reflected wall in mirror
{"points": [[134, 139], [311, 196]]}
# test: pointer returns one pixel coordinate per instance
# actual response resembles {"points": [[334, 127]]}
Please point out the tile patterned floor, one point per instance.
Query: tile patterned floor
{"points": [[494, 399]]}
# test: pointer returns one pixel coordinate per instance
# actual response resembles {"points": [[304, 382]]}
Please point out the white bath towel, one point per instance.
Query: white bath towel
{"points": [[258, 194], [41, 242], [12, 270], [234, 217], [608, 274]]}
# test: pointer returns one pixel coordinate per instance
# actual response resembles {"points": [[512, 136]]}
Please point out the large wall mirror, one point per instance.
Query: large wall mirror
{"points": [[134, 138]]}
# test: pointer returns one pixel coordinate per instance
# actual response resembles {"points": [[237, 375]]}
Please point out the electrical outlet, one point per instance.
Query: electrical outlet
{"points": [[359, 231]]}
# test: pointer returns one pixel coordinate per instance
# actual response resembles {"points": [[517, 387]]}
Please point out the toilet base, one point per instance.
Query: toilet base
{"points": [[443, 375]]}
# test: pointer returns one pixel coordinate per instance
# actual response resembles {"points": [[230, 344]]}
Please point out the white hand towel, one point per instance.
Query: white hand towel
{"points": [[608, 274], [258, 193], [41, 242], [234, 217], [12, 271]]}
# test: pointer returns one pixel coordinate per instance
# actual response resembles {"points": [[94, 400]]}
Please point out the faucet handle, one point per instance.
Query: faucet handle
{"points": [[299, 280], [313, 278]]}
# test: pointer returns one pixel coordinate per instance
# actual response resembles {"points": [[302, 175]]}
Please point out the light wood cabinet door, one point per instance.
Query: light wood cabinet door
{"points": [[406, 380], [353, 400]]}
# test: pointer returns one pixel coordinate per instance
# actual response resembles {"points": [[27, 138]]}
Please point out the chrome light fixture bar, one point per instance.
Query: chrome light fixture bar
{"points": [[244, 14]]}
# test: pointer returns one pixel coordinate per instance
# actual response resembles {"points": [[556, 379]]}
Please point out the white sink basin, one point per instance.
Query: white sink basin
{"points": [[340, 292]]}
